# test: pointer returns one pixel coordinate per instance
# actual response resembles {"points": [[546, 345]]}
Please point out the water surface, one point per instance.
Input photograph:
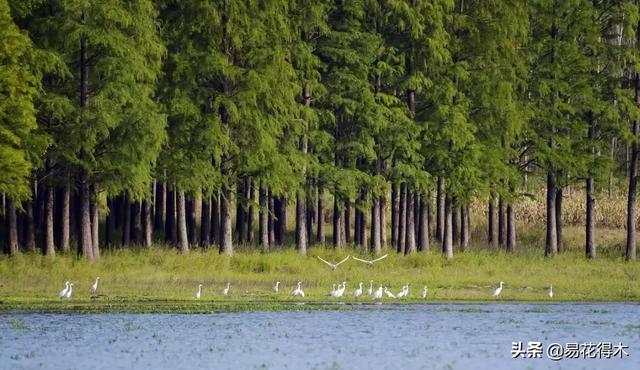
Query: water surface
{"points": [[438, 336]]}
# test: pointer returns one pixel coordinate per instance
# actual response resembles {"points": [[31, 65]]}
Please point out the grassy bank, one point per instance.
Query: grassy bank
{"points": [[159, 279]]}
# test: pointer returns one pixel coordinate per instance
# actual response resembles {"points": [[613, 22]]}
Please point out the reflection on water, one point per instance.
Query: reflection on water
{"points": [[378, 337]]}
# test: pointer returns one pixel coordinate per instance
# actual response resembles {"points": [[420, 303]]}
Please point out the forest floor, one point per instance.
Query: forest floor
{"points": [[160, 280]]}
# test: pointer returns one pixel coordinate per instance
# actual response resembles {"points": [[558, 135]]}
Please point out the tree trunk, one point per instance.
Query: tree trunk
{"points": [[192, 223], [12, 224], [311, 214], [250, 198], [95, 228], [410, 232], [511, 229], [447, 240], [423, 224], [337, 216], [590, 245], [65, 230], [501, 222], [137, 223], [205, 221], [160, 206], [375, 226], [440, 205], [363, 230], [321, 237], [551, 243], [347, 223], [226, 232], [172, 230], [455, 221], [30, 227], [301, 222], [215, 218], [492, 238], [402, 219], [357, 227], [630, 253], [86, 245], [272, 223], [182, 223], [464, 228], [240, 215], [126, 222], [264, 219], [382, 208], [147, 223], [49, 243], [559, 218], [395, 204]]}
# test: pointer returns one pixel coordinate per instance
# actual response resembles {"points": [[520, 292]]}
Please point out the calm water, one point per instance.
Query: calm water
{"points": [[380, 337]]}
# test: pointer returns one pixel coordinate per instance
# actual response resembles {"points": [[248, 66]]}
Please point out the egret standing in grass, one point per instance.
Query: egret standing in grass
{"points": [[551, 291], [333, 290], [358, 292], [425, 291], [69, 292], [276, 288], [377, 295], [297, 292], [94, 287], [340, 291], [498, 290], [63, 292], [388, 293], [225, 291], [370, 290], [199, 292]]}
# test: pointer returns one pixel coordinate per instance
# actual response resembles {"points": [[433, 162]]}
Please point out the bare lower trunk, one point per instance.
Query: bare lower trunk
{"points": [[272, 226], [205, 221], [511, 229], [12, 225], [126, 222], [363, 230], [455, 224], [49, 243], [501, 223], [464, 228], [410, 242], [160, 205], [447, 242], [226, 233], [193, 221], [183, 240], [559, 218], [171, 234], [382, 209], [147, 223], [346, 229], [402, 219], [301, 222], [240, 214], [423, 227], [440, 210], [321, 238], [95, 228], [357, 227], [264, 219], [86, 245], [337, 217], [30, 225], [376, 244], [551, 243], [64, 222], [492, 238], [250, 212], [630, 253], [215, 218], [395, 210], [590, 244]]}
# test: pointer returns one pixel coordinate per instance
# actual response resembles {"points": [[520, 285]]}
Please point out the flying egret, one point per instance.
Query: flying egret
{"points": [[94, 287], [425, 291], [371, 262], [498, 290], [276, 288], [225, 291], [64, 291], [551, 291], [334, 265], [298, 291], [69, 292], [370, 290], [358, 292], [388, 293], [199, 292], [378, 293]]}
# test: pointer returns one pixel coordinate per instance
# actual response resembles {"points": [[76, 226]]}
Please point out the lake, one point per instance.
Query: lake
{"points": [[431, 336]]}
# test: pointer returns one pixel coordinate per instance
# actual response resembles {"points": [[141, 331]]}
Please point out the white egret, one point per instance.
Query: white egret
{"points": [[64, 291], [225, 291], [276, 288], [378, 293], [371, 262], [340, 291], [498, 290], [334, 265], [298, 291], [425, 291], [404, 292], [388, 293], [370, 290], [199, 292], [551, 291], [94, 287], [333, 290], [358, 292], [69, 292]]}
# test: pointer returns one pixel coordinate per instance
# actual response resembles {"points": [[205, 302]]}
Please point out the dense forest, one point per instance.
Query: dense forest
{"points": [[197, 122]]}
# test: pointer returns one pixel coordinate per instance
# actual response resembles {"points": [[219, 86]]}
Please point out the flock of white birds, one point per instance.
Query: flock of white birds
{"points": [[337, 290]]}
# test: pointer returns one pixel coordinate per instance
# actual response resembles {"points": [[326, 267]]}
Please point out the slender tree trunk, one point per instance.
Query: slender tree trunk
{"points": [[440, 210], [321, 237], [492, 238], [357, 227], [347, 222], [215, 218], [160, 206], [337, 216], [395, 210], [240, 216], [182, 223], [264, 219], [250, 211], [423, 227], [193, 220], [511, 228], [136, 217], [311, 214], [12, 224], [501, 222], [464, 228], [205, 221], [447, 241], [559, 219], [281, 226], [382, 208], [86, 245], [226, 232], [551, 244], [65, 230], [172, 225], [376, 244], [455, 221], [402, 219], [49, 243], [126, 225], [272, 223], [630, 253], [29, 225], [95, 228], [147, 223], [590, 245], [301, 222], [410, 232]]}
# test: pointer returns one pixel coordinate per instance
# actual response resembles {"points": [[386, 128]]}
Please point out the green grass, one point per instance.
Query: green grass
{"points": [[161, 280]]}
